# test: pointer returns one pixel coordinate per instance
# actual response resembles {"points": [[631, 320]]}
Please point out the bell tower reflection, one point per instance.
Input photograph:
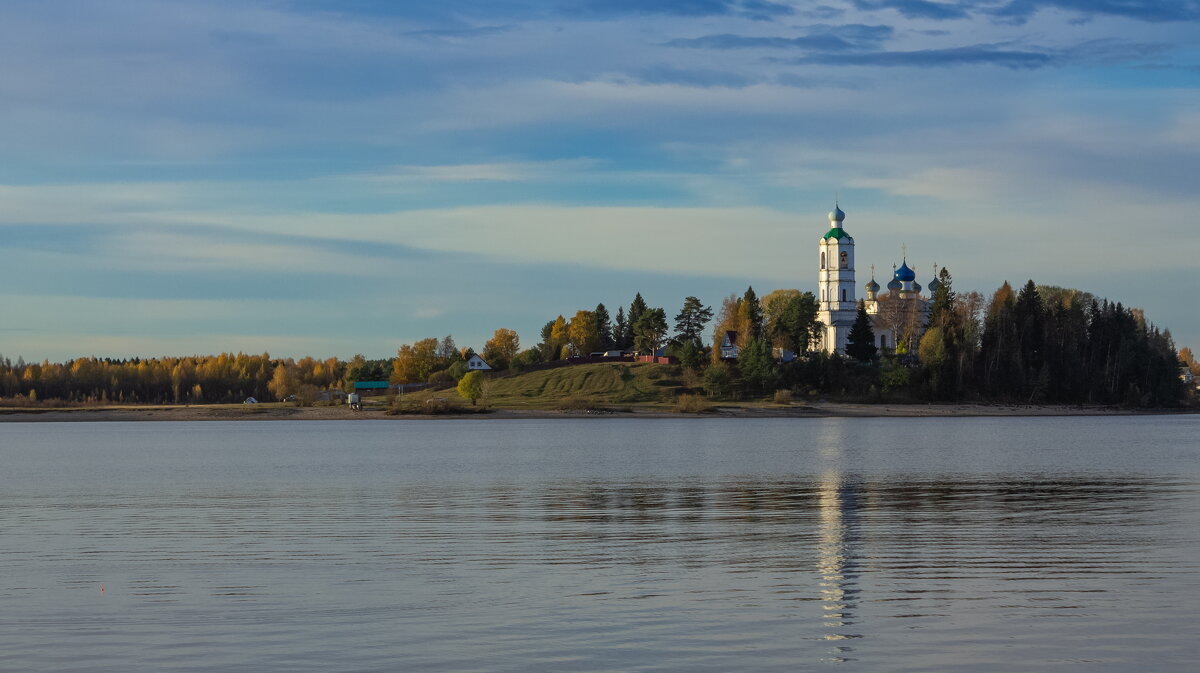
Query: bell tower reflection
{"points": [[838, 506]]}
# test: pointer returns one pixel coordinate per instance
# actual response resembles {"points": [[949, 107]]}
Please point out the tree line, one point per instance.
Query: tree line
{"points": [[1042, 344]]}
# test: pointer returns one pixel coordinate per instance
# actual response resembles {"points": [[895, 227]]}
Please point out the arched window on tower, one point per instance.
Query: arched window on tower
{"points": [[845, 263], [843, 295], [822, 260]]}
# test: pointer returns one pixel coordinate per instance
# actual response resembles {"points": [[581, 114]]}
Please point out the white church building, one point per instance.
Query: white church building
{"points": [[899, 313]]}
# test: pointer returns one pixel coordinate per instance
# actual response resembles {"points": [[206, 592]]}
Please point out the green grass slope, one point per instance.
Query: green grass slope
{"points": [[590, 385]]}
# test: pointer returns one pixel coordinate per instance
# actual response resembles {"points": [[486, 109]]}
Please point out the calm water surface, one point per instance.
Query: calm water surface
{"points": [[1006, 544]]}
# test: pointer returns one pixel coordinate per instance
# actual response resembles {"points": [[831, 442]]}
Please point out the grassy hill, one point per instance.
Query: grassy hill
{"points": [[579, 387]]}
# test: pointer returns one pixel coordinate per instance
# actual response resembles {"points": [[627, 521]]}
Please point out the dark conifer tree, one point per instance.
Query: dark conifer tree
{"points": [[604, 327], [690, 322], [860, 343], [620, 330], [1029, 315], [636, 308], [754, 313], [756, 365]]}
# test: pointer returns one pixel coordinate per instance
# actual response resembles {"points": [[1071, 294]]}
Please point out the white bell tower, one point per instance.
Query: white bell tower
{"points": [[836, 303]]}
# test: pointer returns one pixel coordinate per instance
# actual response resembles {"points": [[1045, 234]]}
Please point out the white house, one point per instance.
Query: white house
{"points": [[477, 363]]}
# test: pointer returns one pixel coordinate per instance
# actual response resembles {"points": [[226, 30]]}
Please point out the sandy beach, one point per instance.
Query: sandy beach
{"points": [[811, 410]]}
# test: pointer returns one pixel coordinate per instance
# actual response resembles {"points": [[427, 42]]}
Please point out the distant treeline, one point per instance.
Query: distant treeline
{"points": [[226, 377], [1040, 345]]}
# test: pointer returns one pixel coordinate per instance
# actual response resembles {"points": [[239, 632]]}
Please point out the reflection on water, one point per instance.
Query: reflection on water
{"points": [[836, 563], [696, 558]]}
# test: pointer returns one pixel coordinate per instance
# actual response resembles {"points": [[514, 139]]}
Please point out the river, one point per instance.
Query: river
{"points": [[890, 544]]}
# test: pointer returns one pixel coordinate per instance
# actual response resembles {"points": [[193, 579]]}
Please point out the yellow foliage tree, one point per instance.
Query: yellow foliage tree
{"points": [[584, 332], [470, 386], [559, 336], [414, 363], [500, 350]]}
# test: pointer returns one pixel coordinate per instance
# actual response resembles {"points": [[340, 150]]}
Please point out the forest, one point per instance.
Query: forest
{"points": [[1038, 345]]}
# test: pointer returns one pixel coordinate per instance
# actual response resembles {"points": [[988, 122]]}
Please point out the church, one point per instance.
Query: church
{"points": [[898, 315]]}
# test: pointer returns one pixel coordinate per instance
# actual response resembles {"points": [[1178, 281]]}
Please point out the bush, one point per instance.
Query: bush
{"points": [[457, 370], [441, 379], [783, 396], [718, 382], [692, 404], [894, 375], [435, 406]]}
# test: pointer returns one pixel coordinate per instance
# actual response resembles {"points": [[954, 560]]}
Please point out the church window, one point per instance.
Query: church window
{"points": [[822, 260], [843, 295], [845, 260]]}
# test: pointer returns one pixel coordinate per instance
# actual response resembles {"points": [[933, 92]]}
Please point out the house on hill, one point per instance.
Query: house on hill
{"points": [[476, 363], [729, 347]]}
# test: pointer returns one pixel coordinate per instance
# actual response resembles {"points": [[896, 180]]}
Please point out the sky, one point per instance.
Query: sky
{"points": [[331, 177]]}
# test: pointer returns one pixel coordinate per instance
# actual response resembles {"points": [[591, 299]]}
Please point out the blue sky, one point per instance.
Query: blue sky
{"points": [[313, 177]]}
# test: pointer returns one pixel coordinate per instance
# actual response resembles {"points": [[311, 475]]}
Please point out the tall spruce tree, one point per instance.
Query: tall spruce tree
{"points": [[1029, 315], [754, 313], [604, 327], [860, 343], [636, 308], [620, 330]]}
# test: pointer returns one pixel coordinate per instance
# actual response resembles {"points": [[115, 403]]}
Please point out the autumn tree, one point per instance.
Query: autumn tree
{"points": [[584, 333], [731, 318], [500, 350], [470, 386], [284, 381], [414, 364], [1189, 360], [998, 351], [559, 338]]}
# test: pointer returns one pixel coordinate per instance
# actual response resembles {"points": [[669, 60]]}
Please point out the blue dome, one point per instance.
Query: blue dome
{"points": [[836, 215], [934, 285], [872, 286], [894, 285], [905, 274], [916, 287]]}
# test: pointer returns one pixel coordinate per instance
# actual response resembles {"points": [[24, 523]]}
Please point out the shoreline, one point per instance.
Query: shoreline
{"points": [[813, 410]]}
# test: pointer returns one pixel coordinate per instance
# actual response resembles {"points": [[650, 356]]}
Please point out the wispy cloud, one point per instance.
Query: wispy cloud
{"points": [[970, 55], [1143, 10], [916, 9], [820, 37]]}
